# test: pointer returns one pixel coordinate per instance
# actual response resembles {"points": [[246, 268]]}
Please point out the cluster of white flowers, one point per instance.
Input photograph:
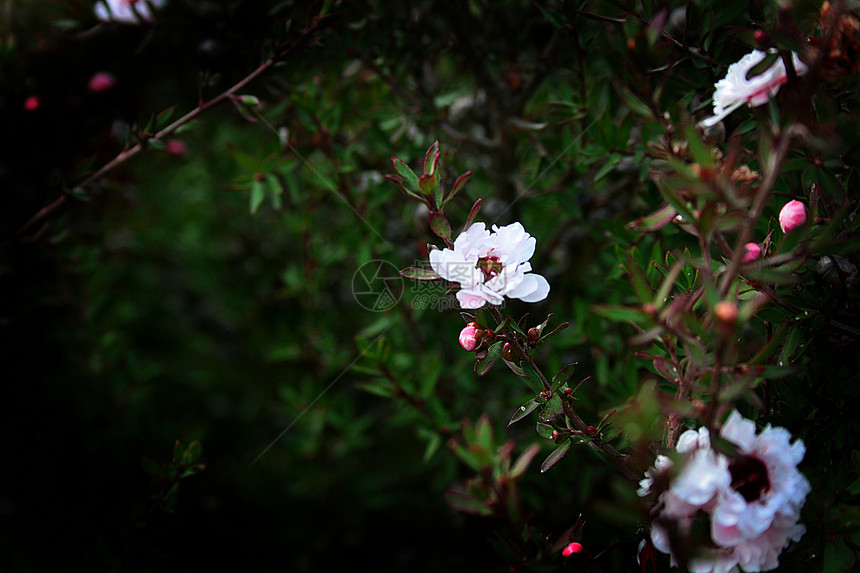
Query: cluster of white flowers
{"points": [[736, 89], [127, 11], [753, 500], [490, 266]]}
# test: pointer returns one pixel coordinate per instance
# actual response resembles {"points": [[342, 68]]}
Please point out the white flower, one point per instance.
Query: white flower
{"points": [[490, 266], [752, 500], [758, 514], [696, 486], [127, 11], [735, 89]]}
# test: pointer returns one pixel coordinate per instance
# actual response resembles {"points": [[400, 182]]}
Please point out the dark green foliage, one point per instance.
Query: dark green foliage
{"points": [[243, 297]]}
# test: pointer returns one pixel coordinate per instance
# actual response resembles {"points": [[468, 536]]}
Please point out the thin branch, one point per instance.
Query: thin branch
{"points": [[127, 154], [773, 168]]}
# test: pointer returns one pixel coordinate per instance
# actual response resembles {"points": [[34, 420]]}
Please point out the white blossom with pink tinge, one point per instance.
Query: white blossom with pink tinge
{"points": [[491, 266], [752, 499], [127, 11], [758, 515], [735, 89]]}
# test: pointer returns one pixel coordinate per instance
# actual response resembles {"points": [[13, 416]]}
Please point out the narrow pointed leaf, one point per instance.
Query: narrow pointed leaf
{"points": [[409, 177], [533, 378], [493, 354], [458, 184], [473, 213], [563, 375], [431, 159], [524, 411], [399, 180], [440, 225], [522, 463], [656, 220], [555, 456], [419, 274], [552, 409]]}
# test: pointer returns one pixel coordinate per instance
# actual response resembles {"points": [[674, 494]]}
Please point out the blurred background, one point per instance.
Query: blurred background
{"points": [[204, 291]]}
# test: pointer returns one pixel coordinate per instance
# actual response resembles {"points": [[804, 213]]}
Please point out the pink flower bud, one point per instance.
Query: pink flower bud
{"points": [[469, 337], [792, 216], [751, 252], [572, 548], [176, 147], [101, 82]]}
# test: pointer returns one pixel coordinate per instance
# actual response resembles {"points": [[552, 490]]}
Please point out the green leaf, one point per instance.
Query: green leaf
{"points": [[419, 274], [431, 159], [621, 313], [524, 410], [428, 184], [440, 225], [555, 456], [532, 378], [258, 194], [762, 66], [378, 388], [244, 159], [522, 463], [249, 100], [192, 453], [481, 318], [656, 220], [703, 156], [484, 434], [493, 354], [432, 446], [563, 375], [409, 177], [473, 213], [838, 556], [552, 409], [544, 430], [466, 503], [635, 104], [458, 184], [399, 181]]}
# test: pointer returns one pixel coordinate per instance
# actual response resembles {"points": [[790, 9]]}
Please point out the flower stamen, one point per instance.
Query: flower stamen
{"points": [[749, 477], [490, 266]]}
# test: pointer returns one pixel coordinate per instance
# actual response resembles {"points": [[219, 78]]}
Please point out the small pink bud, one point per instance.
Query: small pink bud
{"points": [[792, 216], [178, 147], [751, 252], [101, 82], [31, 103], [469, 337], [572, 548]]}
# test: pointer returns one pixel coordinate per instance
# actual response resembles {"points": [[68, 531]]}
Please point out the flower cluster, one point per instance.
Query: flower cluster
{"points": [[751, 500], [737, 89], [490, 266]]}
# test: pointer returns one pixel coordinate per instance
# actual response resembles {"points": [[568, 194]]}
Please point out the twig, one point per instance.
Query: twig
{"points": [[623, 461], [774, 164], [127, 154]]}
